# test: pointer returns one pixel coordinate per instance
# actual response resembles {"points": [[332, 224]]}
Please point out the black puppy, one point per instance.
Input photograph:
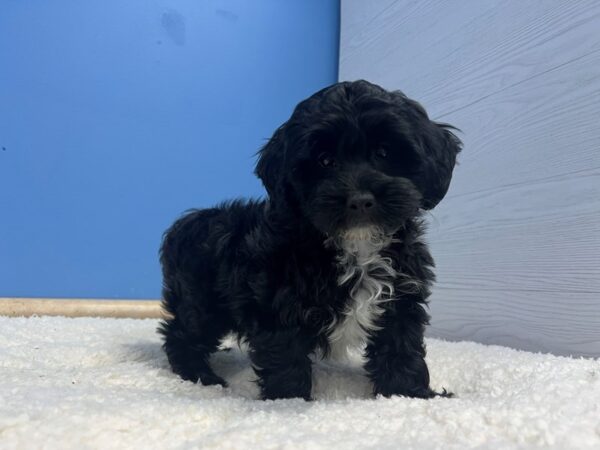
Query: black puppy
{"points": [[332, 258]]}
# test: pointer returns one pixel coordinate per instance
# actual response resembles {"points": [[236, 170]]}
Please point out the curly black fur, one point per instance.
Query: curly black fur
{"points": [[334, 253]]}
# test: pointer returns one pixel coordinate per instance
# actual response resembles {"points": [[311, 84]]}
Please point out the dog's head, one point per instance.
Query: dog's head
{"points": [[355, 155]]}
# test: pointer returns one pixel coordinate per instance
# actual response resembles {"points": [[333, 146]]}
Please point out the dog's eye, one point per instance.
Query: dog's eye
{"points": [[381, 152], [326, 160]]}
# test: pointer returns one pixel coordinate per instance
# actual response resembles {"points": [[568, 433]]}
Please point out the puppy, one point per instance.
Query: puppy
{"points": [[333, 258]]}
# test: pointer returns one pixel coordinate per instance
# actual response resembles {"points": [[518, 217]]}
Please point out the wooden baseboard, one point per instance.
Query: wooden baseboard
{"points": [[26, 307]]}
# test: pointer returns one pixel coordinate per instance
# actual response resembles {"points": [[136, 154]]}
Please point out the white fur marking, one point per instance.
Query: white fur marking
{"points": [[361, 258]]}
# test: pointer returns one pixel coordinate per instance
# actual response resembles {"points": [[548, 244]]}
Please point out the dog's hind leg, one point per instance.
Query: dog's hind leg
{"points": [[189, 354], [281, 361], [190, 337]]}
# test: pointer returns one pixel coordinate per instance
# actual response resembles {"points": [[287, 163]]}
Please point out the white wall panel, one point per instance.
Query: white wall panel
{"points": [[517, 239]]}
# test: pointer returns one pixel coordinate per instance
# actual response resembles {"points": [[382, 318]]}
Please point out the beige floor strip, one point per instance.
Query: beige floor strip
{"points": [[25, 307]]}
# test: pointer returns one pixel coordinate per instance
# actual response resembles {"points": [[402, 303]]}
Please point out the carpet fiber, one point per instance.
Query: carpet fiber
{"points": [[105, 383]]}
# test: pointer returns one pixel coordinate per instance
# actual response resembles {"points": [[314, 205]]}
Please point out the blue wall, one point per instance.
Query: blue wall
{"points": [[115, 116]]}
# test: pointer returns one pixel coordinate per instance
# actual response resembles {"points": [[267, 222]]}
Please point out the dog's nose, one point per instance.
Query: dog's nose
{"points": [[361, 203]]}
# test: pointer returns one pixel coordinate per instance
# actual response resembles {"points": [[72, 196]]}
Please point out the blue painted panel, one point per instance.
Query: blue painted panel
{"points": [[117, 116]]}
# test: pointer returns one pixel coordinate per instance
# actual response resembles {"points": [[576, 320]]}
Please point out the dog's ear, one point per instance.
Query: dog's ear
{"points": [[441, 147], [269, 167]]}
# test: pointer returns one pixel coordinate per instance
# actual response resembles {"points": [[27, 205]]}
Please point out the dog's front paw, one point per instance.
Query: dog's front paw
{"points": [[282, 392], [425, 393], [430, 393], [273, 388], [212, 380], [205, 377], [283, 395]]}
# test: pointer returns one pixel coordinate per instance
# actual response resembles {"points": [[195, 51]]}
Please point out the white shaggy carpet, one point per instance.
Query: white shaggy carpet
{"points": [[104, 383]]}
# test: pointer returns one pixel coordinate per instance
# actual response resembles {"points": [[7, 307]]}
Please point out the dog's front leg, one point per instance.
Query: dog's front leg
{"points": [[281, 361], [396, 353]]}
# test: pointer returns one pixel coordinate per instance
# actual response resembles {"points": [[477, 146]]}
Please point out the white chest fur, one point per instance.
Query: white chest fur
{"points": [[372, 276]]}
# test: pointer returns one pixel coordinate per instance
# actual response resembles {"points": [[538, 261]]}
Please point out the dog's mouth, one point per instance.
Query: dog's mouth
{"points": [[362, 233], [354, 239], [357, 228]]}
